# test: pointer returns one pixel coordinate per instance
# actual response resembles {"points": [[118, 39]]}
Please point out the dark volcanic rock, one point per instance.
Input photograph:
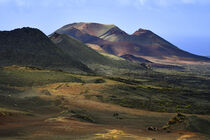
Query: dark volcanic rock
{"points": [[31, 47]]}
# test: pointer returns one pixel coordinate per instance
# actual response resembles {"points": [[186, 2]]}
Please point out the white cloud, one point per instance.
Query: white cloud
{"points": [[59, 3], [18, 3], [27, 3], [3, 1], [152, 3], [142, 2], [176, 2]]}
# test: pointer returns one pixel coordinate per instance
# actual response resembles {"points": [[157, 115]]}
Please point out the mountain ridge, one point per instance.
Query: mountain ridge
{"points": [[142, 43]]}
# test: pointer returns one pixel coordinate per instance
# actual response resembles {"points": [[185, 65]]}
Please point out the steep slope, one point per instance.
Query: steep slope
{"points": [[82, 36], [76, 49], [31, 47], [142, 43], [96, 47], [115, 34]]}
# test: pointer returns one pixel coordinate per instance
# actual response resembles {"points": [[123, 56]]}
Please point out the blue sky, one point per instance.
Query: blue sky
{"points": [[185, 23]]}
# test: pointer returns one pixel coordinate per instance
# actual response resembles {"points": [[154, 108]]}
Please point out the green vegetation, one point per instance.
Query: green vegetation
{"points": [[102, 64], [190, 123], [78, 114], [27, 78], [162, 92], [84, 117], [148, 90]]}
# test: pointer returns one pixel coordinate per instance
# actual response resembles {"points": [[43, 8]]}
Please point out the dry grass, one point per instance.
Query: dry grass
{"points": [[113, 56]]}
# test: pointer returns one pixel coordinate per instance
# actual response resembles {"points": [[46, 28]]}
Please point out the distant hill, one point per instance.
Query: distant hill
{"points": [[142, 43], [31, 47]]}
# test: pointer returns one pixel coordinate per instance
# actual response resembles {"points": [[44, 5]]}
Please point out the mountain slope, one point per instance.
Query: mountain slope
{"points": [[161, 47], [114, 34], [97, 62], [31, 47], [82, 36], [134, 58], [142, 43], [76, 49]]}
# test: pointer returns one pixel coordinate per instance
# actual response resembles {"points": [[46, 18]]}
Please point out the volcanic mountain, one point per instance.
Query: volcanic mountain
{"points": [[142, 43], [31, 47]]}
